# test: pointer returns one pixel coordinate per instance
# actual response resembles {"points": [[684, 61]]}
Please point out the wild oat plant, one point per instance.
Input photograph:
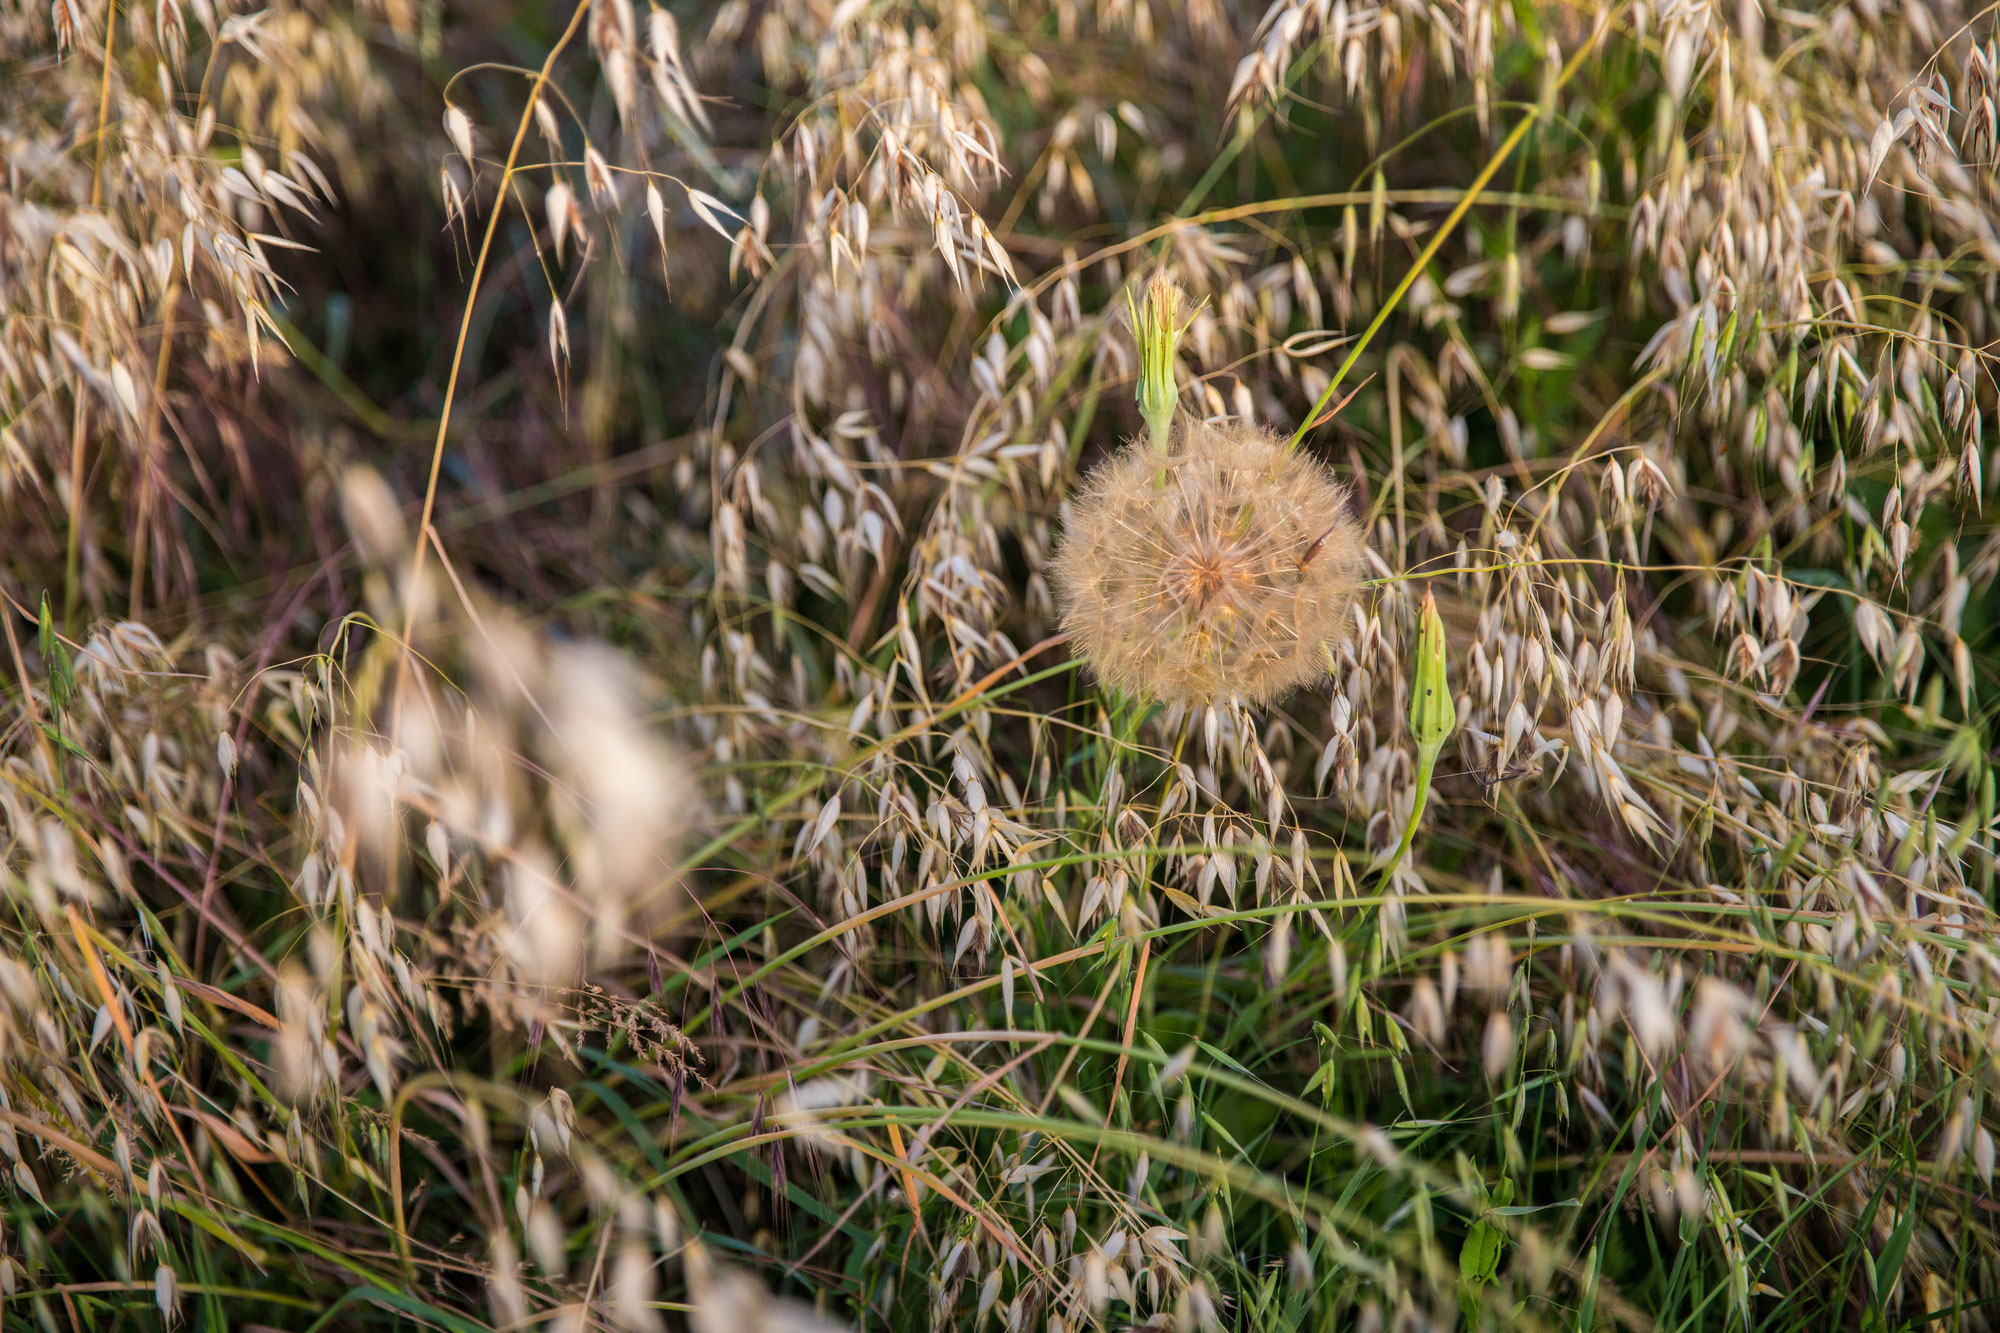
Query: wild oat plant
{"points": [[1057, 665]]}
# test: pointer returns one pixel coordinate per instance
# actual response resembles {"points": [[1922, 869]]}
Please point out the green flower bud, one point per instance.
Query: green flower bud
{"points": [[1157, 326], [1432, 715]]}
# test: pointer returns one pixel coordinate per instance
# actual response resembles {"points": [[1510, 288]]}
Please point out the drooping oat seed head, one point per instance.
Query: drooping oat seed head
{"points": [[1225, 568]]}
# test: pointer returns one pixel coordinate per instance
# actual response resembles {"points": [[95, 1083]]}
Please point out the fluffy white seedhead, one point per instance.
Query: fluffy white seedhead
{"points": [[1224, 566]]}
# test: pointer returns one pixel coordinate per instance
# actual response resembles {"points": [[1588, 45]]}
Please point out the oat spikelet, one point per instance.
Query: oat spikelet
{"points": [[1225, 568]]}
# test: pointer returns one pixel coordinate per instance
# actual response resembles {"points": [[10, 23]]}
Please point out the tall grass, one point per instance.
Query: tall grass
{"points": [[545, 783]]}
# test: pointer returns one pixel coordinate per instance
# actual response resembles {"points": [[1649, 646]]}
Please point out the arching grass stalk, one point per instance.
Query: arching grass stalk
{"points": [[1432, 717], [422, 546], [1443, 233], [1423, 261]]}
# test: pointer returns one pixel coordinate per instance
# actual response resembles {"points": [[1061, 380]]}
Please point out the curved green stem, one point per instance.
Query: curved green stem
{"points": [[1427, 757]]}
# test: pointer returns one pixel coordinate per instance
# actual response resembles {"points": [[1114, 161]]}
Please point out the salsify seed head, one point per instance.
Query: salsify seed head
{"points": [[1225, 567]]}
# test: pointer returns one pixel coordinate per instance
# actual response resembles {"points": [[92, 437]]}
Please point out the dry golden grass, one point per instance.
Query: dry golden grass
{"points": [[599, 734]]}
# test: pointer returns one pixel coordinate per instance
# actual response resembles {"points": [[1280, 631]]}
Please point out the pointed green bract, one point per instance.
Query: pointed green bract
{"points": [[1157, 327]]}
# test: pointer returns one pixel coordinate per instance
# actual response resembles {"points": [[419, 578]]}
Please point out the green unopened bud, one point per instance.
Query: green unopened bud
{"points": [[1157, 326], [1432, 715]]}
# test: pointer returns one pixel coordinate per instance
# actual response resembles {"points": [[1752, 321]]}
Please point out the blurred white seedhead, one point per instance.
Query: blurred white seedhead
{"points": [[623, 805], [544, 801], [728, 1300], [303, 1059], [545, 929]]}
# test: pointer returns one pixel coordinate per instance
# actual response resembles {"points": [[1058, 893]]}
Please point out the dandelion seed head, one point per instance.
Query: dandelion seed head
{"points": [[1224, 567]]}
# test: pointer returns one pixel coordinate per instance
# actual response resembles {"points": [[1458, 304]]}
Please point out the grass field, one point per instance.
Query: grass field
{"points": [[998, 664]]}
